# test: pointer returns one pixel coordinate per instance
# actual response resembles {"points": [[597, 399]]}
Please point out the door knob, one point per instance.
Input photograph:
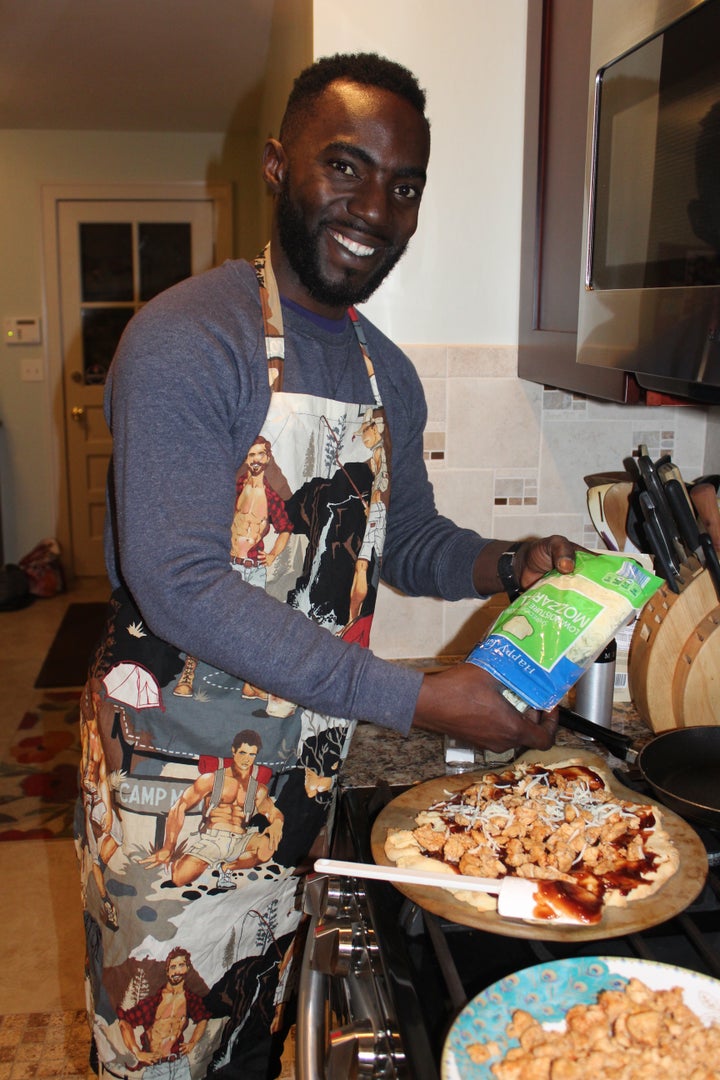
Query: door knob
{"points": [[77, 413]]}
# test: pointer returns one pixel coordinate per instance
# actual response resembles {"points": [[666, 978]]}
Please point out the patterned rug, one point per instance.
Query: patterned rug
{"points": [[38, 773], [51, 1045]]}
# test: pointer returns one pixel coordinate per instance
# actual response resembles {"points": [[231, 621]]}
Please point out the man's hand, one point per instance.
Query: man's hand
{"points": [[532, 560], [161, 857], [467, 703]]}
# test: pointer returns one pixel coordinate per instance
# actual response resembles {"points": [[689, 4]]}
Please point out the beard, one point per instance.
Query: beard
{"points": [[301, 247]]}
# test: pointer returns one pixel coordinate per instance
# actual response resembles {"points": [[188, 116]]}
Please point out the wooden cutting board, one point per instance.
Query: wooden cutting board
{"points": [[664, 626], [696, 680], [673, 897]]}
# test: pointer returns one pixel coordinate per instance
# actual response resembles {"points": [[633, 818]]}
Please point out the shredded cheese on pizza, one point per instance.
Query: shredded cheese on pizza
{"points": [[554, 823]]}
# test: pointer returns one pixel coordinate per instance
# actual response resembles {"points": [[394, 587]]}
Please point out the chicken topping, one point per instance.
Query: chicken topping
{"points": [[630, 1034]]}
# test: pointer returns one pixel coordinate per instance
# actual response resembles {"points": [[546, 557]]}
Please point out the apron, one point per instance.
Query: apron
{"points": [[201, 794]]}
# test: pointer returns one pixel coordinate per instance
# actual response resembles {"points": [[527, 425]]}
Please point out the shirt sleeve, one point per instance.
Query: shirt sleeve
{"points": [[277, 513], [196, 1008]]}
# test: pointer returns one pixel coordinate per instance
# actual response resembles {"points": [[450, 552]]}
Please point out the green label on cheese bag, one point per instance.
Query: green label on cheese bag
{"points": [[548, 622]]}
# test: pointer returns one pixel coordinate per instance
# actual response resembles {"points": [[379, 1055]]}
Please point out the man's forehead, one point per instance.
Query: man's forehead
{"points": [[345, 106]]}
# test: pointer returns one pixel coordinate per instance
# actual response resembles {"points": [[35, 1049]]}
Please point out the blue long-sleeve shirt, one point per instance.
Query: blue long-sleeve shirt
{"points": [[186, 396]]}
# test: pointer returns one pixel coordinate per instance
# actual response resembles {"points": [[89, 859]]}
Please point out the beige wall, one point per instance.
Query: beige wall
{"points": [[290, 50]]}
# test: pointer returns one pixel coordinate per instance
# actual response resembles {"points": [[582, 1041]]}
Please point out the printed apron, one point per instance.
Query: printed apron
{"points": [[201, 794]]}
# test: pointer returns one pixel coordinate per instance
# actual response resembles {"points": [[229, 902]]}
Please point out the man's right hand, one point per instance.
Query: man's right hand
{"points": [[466, 702], [161, 857]]}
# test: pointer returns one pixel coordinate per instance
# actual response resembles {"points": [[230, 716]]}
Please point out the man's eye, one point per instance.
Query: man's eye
{"points": [[343, 167], [408, 191]]}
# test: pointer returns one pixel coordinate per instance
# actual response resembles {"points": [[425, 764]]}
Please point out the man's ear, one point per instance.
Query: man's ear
{"points": [[274, 165]]}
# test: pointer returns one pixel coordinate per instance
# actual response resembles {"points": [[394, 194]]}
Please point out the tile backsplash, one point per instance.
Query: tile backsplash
{"points": [[508, 458]]}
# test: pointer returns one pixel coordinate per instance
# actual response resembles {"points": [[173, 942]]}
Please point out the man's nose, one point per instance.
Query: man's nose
{"points": [[370, 202]]}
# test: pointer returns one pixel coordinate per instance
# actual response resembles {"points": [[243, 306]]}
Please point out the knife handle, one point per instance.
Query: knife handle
{"points": [[657, 542], [684, 514]]}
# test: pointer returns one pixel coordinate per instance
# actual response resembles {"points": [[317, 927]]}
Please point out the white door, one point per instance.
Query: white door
{"points": [[113, 256]]}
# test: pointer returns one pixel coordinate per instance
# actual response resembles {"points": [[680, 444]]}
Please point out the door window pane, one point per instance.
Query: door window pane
{"points": [[165, 256], [106, 261], [101, 330]]}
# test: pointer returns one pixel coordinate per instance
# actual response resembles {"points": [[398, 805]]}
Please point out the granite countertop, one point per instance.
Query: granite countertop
{"points": [[380, 754]]}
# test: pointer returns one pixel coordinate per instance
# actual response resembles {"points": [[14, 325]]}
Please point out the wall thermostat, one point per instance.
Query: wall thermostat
{"points": [[22, 330]]}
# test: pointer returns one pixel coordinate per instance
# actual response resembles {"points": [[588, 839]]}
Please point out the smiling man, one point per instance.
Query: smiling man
{"points": [[227, 364], [348, 192]]}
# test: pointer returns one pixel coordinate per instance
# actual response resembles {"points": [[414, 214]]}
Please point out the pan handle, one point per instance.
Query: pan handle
{"points": [[621, 745]]}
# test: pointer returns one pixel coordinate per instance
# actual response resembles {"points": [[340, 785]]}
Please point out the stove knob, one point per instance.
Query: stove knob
{"points": [[332, 948], [325, 895], [352, 1052], [315, 894]]}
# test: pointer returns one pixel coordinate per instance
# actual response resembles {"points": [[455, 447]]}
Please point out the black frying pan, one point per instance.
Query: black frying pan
{"points": [[681, 766]]}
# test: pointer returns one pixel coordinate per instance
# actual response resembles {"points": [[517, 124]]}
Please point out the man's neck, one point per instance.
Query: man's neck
{"points": [[332, 326], [291, 288]]}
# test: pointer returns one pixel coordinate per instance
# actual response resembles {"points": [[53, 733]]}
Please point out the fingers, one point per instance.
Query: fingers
{"points": [[551, 553], [540, 735], [468, 703]]}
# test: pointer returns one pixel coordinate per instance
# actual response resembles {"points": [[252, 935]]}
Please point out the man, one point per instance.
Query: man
{"points": [[376, 514], [277, 349], [103, 827], [257, 508], [165, 1017], [232, 797]]}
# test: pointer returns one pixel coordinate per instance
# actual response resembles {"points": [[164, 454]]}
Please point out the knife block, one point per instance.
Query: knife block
{"points": [[674, 660], [696, 683]]}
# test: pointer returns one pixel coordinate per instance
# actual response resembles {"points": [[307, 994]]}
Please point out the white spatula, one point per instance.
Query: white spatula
{"points": [[518, 898]]}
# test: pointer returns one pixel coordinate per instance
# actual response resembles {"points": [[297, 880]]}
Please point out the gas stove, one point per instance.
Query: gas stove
{"points": [[382, 980]]}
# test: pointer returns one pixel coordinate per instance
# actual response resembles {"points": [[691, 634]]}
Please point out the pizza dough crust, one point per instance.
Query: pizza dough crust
{"points": [[403, 847]]}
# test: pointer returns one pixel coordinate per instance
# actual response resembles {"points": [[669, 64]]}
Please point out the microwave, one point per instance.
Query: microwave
{"points": [[650, 294]]}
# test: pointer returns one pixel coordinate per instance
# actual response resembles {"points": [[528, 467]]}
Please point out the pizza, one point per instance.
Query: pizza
{"points": [[559, 824]]}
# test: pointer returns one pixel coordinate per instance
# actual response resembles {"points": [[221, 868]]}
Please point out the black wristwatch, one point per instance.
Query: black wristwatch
{"points": [[506, 573]]}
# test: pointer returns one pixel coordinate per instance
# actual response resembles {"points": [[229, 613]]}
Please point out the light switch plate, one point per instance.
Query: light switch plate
{"points": [[32, 370]]}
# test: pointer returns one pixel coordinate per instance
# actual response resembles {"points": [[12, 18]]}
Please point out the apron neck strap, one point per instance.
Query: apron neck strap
{"points": [[275, 332]]}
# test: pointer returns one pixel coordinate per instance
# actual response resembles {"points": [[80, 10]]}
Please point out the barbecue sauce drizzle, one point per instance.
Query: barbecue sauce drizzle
{"points": [[582, 898]]}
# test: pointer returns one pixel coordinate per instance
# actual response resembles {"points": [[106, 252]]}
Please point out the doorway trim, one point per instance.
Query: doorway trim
{"points": [[53, 194]]}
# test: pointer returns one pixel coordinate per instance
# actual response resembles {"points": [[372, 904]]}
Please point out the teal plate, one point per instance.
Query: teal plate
{"points": [[547, 991]]}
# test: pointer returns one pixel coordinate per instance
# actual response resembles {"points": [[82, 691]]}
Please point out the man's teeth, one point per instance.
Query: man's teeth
{"points": [[356, 249]]}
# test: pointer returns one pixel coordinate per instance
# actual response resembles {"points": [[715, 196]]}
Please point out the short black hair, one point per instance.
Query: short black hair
{"points": [[369, 69]]}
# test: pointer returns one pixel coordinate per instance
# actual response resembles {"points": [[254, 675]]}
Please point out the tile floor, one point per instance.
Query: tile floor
{"points": [[43, 1030]]}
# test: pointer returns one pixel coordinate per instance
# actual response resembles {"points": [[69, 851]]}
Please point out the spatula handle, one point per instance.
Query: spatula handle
{"points": [[407, 875]]}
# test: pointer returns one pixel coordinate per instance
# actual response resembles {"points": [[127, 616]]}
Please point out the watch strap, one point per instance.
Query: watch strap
{"points": [[506, 572]]}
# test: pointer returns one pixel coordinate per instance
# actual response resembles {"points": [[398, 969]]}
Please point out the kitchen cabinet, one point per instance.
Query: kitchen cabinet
{"points": [[556, 123]]}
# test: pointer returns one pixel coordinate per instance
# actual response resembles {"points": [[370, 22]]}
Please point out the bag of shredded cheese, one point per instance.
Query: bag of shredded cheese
{"points": [[546, 639]]}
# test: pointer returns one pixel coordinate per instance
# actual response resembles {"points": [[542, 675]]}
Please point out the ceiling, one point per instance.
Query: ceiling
{"points": [[133, 65]]}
